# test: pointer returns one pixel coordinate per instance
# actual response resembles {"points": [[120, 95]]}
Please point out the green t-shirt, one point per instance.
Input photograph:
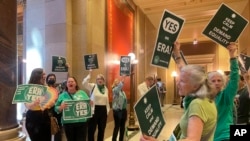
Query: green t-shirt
{"points": [[224, 102], [79, 95], [205, 110]]}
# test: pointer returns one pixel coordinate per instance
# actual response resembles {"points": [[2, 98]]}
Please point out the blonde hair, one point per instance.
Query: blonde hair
{"points": [[100, 76], [116, 81]]}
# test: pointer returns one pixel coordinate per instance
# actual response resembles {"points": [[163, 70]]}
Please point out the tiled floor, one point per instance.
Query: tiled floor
{"points": [[172, 114]]}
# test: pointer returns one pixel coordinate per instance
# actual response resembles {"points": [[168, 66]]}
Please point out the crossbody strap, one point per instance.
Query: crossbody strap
{"points": [[92, 90], [70, 96]]}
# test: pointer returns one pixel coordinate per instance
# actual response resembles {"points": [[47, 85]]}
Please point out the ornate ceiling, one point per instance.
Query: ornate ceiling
{"points": [[196, 13]]}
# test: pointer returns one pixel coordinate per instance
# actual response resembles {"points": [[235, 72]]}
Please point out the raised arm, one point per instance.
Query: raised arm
{"points": [[232, 49], [178, 59], [232, 85], [119, 86], [86, 83]]}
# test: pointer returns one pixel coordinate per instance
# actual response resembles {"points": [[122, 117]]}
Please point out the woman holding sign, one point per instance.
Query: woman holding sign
{"points": [[75, 129], [200, 115], [37, 118], [119, 105], [99, 96], [226, 92]]}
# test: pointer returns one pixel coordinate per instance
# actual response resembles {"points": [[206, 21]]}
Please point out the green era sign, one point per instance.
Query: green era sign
{"points": [[170, 27], [28, 93], [77, 109]]}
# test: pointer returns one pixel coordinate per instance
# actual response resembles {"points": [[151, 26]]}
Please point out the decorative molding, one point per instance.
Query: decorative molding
{"points": [[205, 60]]}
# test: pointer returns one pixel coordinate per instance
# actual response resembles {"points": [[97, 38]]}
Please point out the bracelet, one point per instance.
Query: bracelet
{"points": [[177, 58]]}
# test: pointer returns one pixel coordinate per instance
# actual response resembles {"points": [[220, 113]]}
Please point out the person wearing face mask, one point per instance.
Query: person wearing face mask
{"points": [[100, 102], [51, 82]]}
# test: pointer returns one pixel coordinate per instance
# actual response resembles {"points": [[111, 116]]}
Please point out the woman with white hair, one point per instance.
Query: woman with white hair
{"points": [[100, 99], [226, 92], [200, 115]]}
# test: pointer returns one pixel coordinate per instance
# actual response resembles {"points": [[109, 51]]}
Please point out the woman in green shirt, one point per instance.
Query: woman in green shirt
{"points": [[226, 92], [75, 130], [200, 115]]}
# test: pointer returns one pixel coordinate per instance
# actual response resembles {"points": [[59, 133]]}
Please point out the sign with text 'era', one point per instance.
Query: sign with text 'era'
{"points": [[28, 93], [149, 114], [91, 61], [170, 27], [226, 26], [59, 64], [77, 109]]}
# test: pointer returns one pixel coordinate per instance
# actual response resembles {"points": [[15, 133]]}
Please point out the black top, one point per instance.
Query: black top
{"points": [[243, 109]]}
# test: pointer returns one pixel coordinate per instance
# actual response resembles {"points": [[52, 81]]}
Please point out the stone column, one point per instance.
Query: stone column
{"points": [[9, 128]]}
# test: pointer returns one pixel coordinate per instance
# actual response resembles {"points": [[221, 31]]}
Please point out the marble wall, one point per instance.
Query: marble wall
{"points": [[8, 64]]}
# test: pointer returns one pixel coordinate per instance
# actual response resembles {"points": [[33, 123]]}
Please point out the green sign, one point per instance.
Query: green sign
{"points": [[59, 64], [149, 114], [125, 65], [226, 26], [169, 30], [28, 93], [77, 109], [91, 61]]}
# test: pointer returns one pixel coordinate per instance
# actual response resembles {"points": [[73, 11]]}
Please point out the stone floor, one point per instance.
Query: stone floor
{"points": [[172, 114]]}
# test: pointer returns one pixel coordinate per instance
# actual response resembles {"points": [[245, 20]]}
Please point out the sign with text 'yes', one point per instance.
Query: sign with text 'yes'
{"points": [[226, 26], [149, 114], [170, 27], [77, 109], [28, 93]]}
